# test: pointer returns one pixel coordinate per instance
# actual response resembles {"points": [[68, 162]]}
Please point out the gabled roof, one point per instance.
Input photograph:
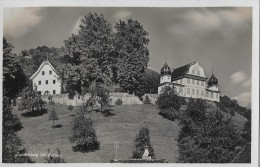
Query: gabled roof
{"points": [[181, 70], [46, 62]]}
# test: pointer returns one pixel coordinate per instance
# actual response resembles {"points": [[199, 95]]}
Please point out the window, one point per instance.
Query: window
{"points": [[188, 80], [207, 94], [39, 92], [216, 96], [39, 82], [193, 71], [180, 90], [193, 81], [42, 72], [50, 72], [198, 72], [193, 92], [202, 83], [54, 81], [188, 90], [46, 82], [54, 92], [198, 82], [197, 92], [211, 95], [202, 93]]}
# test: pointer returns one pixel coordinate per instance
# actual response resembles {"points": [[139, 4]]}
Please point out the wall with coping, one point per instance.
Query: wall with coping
{"points": [[125, 97]]}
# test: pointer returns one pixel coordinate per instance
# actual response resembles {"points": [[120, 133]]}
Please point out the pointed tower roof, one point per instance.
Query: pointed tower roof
{"points": [[213, 80], [165, 70]]}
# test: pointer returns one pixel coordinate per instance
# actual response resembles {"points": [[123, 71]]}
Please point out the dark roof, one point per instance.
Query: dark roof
{"points": [[213, 80], [181, 70], [165, 70], [244, 156]]}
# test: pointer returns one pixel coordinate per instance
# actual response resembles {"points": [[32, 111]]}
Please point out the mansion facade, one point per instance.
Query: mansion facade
{"points": [[190, 81]]}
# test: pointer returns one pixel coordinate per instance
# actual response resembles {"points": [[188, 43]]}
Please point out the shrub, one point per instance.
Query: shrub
{"points": [[118, 102], [170, 114], [83, 135], [207, 138], [169, 103], [142, 139], [147, 100], [70, 107], [31, 101]]}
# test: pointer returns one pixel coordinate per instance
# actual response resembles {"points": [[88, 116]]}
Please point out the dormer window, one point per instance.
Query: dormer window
{"points": [[50, 72], [198, 72], [193, 71], [43, 73]]}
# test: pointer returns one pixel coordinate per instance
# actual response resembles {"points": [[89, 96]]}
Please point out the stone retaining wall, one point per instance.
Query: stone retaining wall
{"points": [[125, 97]]}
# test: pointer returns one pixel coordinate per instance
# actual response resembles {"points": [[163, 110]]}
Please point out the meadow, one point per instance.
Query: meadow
{"points": [[122, 124]]}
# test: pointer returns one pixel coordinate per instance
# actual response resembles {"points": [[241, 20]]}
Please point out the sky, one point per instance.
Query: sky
{"points": [[219, 38]]}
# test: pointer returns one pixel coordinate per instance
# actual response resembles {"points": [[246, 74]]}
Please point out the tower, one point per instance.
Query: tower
{"points": [[213, 83], [165, 74]]}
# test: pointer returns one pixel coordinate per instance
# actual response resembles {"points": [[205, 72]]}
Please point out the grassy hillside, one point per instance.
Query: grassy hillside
{"points": [[38, 135]]}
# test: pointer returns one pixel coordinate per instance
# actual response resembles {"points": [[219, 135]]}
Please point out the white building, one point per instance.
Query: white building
{"points": [[45, 80], [190, 81]]}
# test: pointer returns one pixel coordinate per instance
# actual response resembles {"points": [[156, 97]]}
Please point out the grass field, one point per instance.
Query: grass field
{"points": [[38, 135]]}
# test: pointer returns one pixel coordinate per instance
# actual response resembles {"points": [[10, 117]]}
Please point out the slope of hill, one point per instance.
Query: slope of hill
{"points": [[123, 126]]}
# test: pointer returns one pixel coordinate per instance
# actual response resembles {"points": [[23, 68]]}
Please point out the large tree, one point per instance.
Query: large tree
{"points": [[97, 54], [131, 43], [14, 79], [207, 137]]}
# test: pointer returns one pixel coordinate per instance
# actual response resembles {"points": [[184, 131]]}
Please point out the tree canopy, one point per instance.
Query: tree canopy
{"points": [[14, 79], [98, 54]]}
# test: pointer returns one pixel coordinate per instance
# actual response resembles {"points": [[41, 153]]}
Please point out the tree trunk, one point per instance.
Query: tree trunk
{"points": [[53, 123]]}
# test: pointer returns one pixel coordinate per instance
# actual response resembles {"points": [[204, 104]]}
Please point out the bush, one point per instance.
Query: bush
{"points": [[207, 138], [31, 101], [118, 102], [147, 100], [169, 103], [170, 114], [83, 135], [142, 139], [70, 107]]}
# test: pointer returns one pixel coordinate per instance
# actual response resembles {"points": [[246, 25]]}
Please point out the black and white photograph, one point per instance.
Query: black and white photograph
{"points": [[130, 84]]}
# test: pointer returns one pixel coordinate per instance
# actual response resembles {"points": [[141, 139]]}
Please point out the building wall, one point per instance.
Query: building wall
{"points": [[125, 97], [190, 87], [43, 87], [165, 78]]}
